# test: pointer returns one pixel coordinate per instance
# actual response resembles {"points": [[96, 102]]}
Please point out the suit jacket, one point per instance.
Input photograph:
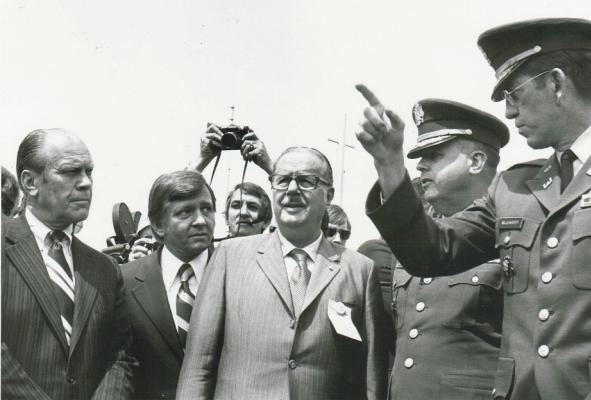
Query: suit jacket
{"points": [[543, 239], [37, 363], [448, 333], [246, 343], [156, 344]]}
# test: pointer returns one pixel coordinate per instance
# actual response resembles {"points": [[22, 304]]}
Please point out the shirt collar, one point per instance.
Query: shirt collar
{"points": [[581, 147], [40, 230], [170, 265], [311, 249]]}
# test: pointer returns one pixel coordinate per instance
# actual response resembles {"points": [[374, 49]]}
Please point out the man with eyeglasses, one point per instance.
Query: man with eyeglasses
{"points": [[288, 315], [536, 215]]}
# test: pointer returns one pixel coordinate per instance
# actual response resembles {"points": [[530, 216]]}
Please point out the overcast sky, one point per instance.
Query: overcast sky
{"points": [[139, 80]]}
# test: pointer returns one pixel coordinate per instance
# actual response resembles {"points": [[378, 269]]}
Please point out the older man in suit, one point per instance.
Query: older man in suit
{"points": [[64, 327], [160, 288], [288, 315]]}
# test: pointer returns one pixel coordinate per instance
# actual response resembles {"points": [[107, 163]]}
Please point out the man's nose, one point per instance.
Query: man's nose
{"points": [[422, 166], [85, 182], [510, 111], [200, 220], [293, 186]]}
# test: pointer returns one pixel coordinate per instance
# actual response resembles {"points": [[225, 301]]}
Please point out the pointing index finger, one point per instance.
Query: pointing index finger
{"points": [[370, 97]]}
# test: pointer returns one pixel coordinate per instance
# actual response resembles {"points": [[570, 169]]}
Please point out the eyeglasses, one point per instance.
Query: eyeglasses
{"points": [[304, 182], [509, 95], [345, 234]]}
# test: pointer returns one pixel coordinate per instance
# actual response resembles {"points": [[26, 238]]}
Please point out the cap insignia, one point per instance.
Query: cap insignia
{"points": [[418, 114]]}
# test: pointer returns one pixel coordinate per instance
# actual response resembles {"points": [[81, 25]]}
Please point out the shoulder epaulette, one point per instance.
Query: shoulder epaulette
{"points": [[533, 163]]}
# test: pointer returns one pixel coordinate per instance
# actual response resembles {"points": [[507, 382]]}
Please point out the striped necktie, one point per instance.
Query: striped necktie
{"points": [[184, 302], [299, 279], [61, 275]]}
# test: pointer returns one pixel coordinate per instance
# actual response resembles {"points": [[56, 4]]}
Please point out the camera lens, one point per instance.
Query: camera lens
{"points": [[230, 140]]}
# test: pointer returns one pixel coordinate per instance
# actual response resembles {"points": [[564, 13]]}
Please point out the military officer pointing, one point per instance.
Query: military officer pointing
{"points": [[536, 215], [448, 329]]}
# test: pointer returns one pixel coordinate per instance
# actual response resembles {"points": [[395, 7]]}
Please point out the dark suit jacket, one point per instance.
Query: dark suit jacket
{"points": [[543, 239], [156, 344], [245, 342], [37, 363]]}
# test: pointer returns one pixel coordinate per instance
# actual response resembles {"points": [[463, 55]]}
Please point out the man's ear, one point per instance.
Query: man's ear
{"points": [[477, 160], [29, 181], [329, 195], [158, 230], [559, 82]]}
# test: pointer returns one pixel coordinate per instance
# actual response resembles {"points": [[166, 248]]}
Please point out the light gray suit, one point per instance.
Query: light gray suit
{"points": [[245, 342]]}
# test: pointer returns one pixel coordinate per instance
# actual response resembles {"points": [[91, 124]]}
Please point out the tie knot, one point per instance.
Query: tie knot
{"points": [[300, 256], [186, 272], [568, 156], [57, 237]]}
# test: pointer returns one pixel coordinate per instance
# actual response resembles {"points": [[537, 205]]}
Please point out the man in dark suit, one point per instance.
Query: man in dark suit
{"points": [[288, 315], [536, 216], [160, 288], [65, 332]]}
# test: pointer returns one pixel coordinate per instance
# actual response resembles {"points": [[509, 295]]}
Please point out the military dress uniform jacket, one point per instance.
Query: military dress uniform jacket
{"points": [[543, 239], [448, 334]]}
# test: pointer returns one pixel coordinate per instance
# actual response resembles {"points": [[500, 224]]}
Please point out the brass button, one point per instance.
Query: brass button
{"points": [[413, 333], [507, 239], [544, 314], [420, 306], [552, 242], [475, 279], [292, 364], [427, 281], [547, 277], [543, 351], [409, 362]]}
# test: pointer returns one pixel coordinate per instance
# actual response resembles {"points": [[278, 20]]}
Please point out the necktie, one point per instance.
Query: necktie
{"points": [[184, 302], [61, 276], [566, 168], [300, 277]]}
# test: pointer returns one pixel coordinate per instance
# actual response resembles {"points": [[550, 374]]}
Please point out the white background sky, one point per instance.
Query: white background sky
{"points": [[139, 80]]}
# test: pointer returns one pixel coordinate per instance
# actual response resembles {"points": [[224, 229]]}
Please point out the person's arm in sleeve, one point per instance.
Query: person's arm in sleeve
{"points": [[378, 332], [117, 383], [206, 332]]}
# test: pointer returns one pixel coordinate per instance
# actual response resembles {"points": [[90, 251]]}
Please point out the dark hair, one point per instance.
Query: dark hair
{"points": [[10, 192], [318, 153], [29, 155], [576, 64], [336, 215], [266, 212], [173, 186]]}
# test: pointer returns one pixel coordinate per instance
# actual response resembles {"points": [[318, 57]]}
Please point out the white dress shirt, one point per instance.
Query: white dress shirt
{"points": [[170, 276], [581, 148], [311, 250], [40, 231]]}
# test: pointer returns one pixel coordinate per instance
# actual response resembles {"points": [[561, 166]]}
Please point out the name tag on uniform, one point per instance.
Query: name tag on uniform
{"points": [[513, 223], [340, 317], [586, 200]]}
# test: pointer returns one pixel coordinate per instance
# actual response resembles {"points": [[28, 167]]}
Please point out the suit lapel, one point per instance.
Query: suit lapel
{"points": [[546, 185], [150, 294], [270, 259], [580, 184], [327, 266], [87, 274], [27, 259]]}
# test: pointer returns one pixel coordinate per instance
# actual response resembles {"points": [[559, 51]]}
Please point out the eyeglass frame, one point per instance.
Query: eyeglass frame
{"points": [[508, 94], [344, 233], [294, 176]]}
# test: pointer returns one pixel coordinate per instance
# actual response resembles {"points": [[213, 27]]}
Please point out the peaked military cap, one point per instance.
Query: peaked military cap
{"points": [[508, 47], [439, 121]]}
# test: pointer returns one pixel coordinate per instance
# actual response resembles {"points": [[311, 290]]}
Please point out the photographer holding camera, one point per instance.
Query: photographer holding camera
{"points": [[232, 137]]}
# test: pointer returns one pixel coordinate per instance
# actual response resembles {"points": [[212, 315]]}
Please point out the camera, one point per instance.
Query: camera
{"points": [[233, 136]]}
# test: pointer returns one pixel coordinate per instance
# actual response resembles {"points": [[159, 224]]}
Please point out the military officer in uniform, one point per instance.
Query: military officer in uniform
{"points": [[536, 215], [448, 329]]}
